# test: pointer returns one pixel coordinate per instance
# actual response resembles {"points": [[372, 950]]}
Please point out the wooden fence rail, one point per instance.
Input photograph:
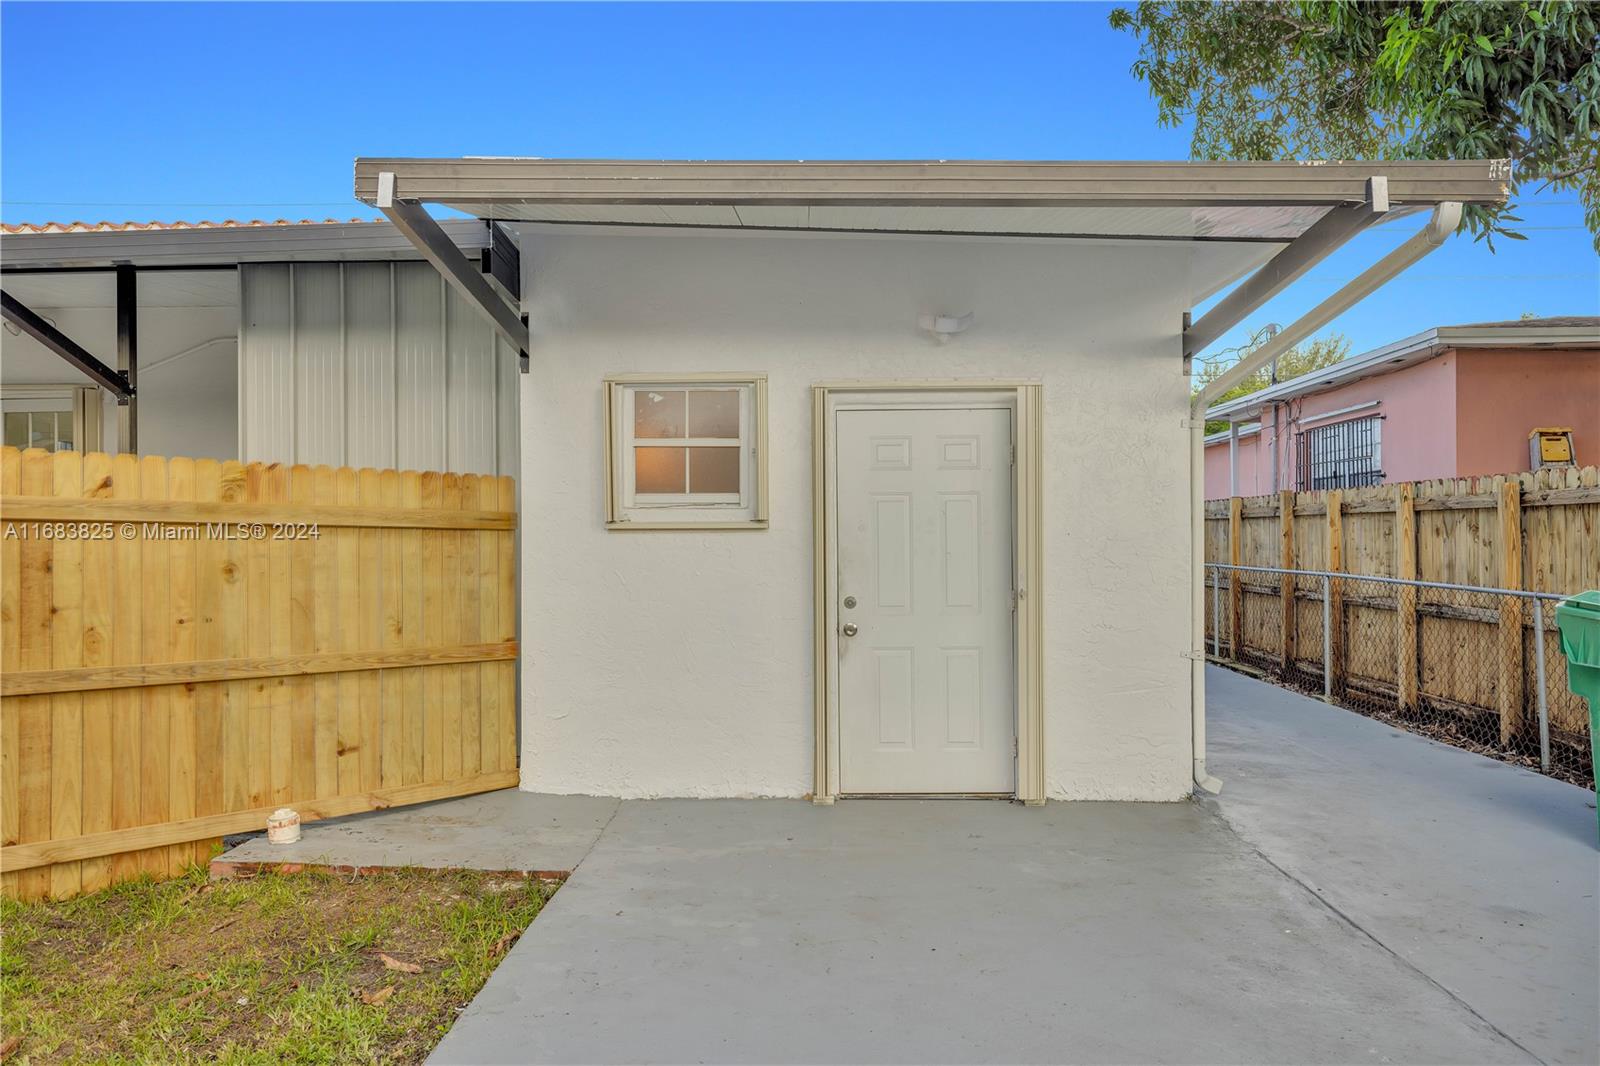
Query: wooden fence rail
{"points": [[187, 644], [1538, 532]]}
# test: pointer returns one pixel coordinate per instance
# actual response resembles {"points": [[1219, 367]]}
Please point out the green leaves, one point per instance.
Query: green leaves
{"points": [[1338, 79], [1301, 359]]}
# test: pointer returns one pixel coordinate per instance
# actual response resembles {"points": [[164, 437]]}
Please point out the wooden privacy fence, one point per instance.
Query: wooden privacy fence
{"points": [[186, 645], [1468, 655]]}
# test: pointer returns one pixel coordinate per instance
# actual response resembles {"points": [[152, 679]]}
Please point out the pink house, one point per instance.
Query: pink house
{"points": [[1454, 401]]}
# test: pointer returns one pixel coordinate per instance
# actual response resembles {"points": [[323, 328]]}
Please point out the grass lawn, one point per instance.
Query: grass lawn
{"points": [[301, 968]]}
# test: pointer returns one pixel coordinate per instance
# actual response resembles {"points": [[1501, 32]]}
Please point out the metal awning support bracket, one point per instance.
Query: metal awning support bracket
{"points": [[128, 356], [1324, 237], [1446, 217], [31, 323], [462, 273]]}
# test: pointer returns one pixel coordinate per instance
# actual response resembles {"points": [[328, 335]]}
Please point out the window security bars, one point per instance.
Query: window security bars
{"points": [[1480, 668], [1343, 455]]}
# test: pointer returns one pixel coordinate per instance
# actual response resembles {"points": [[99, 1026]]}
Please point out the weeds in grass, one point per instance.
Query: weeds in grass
{"points": [[273, 969]]}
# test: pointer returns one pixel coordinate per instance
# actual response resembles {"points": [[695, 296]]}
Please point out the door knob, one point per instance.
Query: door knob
{"points": [[849, 629]]}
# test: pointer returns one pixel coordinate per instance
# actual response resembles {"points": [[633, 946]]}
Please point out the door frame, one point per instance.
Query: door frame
{"points": [[1026, 400]]}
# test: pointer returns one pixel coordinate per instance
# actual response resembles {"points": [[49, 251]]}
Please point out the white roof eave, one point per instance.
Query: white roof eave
{"points": [[224, 245]]}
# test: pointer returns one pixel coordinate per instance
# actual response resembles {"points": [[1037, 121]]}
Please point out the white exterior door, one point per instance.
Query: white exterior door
{"points": [[925, 664]]}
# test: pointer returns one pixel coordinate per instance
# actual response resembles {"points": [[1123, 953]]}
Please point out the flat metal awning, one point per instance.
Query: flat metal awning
{"points": [[1307, 209], [49, 248], [477, 181], [1269, 201]]}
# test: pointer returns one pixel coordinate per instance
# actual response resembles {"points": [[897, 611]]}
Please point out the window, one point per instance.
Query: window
{"points": [[686, 451], [1344, 455], [57, 418]]}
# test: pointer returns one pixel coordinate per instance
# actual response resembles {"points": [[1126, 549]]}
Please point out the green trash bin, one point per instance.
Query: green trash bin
{"points": [[1579, 620]]}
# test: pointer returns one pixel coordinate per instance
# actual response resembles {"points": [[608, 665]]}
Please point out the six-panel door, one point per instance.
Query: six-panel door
{"points": [[925, 609]]}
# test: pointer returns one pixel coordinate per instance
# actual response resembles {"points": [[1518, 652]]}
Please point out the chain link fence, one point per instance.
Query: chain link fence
{"points": [[1475, 667]]}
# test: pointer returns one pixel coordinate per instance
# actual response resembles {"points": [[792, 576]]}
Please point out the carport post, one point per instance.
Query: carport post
{"points": [[1216, 613], [1538, 674], [128, 357], [1327, 638]]}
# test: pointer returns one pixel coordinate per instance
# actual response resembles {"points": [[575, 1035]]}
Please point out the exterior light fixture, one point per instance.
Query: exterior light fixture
{"points": [[943, 327]]}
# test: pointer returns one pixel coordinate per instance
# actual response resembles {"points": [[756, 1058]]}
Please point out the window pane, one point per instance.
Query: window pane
{"points": [[714, 413], [658, 469], [64, 431], [17, 429], [658, 414], [714, 469], [39, 431]]}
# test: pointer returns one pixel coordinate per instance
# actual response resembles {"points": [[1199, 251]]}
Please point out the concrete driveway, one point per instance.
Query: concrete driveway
{"points": [[1482, 876], [1248, 929]]}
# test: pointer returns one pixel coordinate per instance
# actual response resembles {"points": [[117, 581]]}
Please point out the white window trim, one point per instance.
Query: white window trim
{"points": [[85, 401], [627, 512]]}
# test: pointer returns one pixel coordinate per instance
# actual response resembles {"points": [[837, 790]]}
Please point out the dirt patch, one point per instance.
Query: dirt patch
{"points": [[307, 967]]}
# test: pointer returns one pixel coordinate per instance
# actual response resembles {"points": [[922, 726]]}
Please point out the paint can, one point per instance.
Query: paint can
{"points": [[283, 826]]}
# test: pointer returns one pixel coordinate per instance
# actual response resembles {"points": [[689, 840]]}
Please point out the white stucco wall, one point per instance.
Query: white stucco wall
{"points": [[679, 663]]}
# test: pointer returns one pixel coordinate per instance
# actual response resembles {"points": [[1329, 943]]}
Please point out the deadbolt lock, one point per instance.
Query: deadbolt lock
{"points": [[849, 601]]}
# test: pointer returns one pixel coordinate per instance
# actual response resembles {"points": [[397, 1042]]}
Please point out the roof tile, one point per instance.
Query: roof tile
{"points": [[110, 227]]}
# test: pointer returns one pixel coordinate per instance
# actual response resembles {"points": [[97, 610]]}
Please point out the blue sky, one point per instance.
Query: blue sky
{"points": [[134, 111]]}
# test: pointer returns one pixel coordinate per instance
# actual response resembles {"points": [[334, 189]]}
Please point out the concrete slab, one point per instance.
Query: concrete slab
{"points": [[1482, 875], [903, 931], [505, 831]]}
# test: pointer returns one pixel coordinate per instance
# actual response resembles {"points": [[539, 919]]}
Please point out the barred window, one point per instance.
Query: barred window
{"points": [[1343, 455]]}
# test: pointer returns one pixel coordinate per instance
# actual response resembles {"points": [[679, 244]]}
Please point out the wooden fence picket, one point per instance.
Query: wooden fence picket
{"points": [[1533, 531], [189, 644]]}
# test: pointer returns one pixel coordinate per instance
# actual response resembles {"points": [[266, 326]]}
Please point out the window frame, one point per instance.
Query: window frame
{"points": [[83, 401], [626, 510]]}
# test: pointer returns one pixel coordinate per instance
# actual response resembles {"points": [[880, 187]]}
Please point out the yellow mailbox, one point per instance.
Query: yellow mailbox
{"points": [[1550, 446]]}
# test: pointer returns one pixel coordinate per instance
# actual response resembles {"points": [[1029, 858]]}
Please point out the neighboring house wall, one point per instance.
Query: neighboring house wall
{"points": [[1418, 435], [680, 663], [1254, 476], [1463, 413], [1502, 395], [372, 364], [1419, 421]]}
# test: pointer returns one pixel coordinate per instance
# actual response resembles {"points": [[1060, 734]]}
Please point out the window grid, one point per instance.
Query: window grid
{"points": [[685, 452], [684, 413], [1343, 455], [50, 430]]}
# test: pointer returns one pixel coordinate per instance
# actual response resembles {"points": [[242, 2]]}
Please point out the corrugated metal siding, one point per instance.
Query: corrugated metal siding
{"points": [[318, 362], [369, 337], [420, 401], [372, 364], [266, 366]]}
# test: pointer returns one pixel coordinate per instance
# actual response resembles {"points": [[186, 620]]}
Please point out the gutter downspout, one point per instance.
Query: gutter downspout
{"points": [[1446, 217], [1197, 600]]}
